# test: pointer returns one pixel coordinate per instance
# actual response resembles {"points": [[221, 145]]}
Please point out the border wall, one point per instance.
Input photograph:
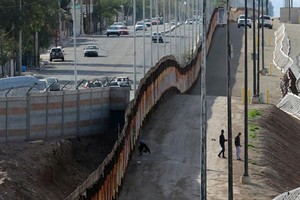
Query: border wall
{"points": [[164, 78]]}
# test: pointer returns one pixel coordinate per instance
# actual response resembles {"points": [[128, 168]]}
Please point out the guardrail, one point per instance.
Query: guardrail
{"points": [[166, 77]]}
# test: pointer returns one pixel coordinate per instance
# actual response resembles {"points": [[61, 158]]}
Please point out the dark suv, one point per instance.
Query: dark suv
{"points": [[56, 53]]}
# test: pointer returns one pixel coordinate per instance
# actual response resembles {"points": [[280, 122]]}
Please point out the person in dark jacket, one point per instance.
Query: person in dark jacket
{"points": [[143, 148], [222, 141], [237, 143]]}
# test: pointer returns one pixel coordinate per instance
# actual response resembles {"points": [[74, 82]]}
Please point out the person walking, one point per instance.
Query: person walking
{"points": [[237, 143], [222, 141]]}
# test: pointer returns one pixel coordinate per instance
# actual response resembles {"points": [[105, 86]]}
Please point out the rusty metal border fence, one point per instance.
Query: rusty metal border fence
{"points": [[167, 75]]}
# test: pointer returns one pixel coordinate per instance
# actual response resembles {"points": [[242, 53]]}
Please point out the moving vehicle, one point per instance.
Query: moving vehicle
{"points": [[157, 37], [91, 50], [265, 21], [140, 26], [241, 21], [117, 30], [56, 53]]}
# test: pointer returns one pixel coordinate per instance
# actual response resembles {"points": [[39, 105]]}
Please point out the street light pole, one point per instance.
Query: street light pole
{"points": [[246, 178], [134, 47], [144, 48], [74, 44], [203, 117], [258, 49], [229, 115], [20, 41], [263, 38], [254, 49]]}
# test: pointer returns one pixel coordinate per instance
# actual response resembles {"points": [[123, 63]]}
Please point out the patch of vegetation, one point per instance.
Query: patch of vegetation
{"points": [[250, 146], [252, 129], [253, 113]]}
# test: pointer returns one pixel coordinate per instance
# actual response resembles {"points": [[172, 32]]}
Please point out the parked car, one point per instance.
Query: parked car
{"points": [[93, 83], [265, 21], [157, 37], [91, 50], [147, 22], [117, 30], [140, 26], [119, 82], [56, 53], [52, 83], [155, 21], [241, 21]]}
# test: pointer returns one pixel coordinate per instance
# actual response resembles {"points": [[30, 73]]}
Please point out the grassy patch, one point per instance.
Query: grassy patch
{"points": [[253, 113], [250, 146]]}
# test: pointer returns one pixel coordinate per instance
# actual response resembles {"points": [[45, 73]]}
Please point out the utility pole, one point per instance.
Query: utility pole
{"points": [[229, 115], [245, 178], [254, 50], [20, 41], [203, 116]]}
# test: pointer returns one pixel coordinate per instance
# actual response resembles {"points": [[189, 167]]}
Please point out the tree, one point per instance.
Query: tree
{"points": [[32, 16]]}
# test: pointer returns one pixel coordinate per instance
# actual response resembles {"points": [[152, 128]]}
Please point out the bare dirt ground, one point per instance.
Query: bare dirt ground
{"points": [[49, 169]]}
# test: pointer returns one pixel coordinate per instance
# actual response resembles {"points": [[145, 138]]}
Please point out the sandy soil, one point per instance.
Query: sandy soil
{"points": [[49, 169]]}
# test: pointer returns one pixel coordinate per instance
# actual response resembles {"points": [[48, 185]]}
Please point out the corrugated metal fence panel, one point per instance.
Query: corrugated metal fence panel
{"points": [[290, 104], [290, 195]]}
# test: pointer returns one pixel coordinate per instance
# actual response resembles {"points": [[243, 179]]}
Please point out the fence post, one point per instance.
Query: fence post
{"points": [[78, 112], [28, 114], [6, 112], [63, 114]]}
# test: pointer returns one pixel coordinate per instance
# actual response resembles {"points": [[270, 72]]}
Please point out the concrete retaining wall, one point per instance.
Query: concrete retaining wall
{"points": [[58, 114]]}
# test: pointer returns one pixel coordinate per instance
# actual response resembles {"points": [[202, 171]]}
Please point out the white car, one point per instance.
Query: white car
{"points": [[119, 82], [268, 22], [140, 26], [241, 21], [91, 50]]}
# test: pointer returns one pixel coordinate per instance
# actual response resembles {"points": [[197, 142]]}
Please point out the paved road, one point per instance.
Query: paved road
{"points": [[116, 55]]}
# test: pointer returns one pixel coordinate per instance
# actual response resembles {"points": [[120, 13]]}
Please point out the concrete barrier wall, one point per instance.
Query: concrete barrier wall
{"points": [[58, 114], [161, 80]]}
